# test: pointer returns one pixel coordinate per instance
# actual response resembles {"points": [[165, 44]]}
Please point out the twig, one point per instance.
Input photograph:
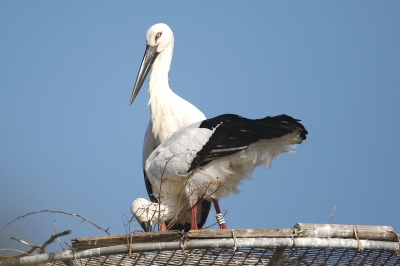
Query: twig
{"points": [[41, 249], [128, 233], [62, 212], [55, 231], [33, 246], [65, 242], [128, 224], [13, 250], [52, 238], [73, 253], [359, 248], [332, 214]]}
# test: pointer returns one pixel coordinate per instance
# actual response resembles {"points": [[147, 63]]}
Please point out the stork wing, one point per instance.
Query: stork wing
{"points": [[173, 157], [233, 133], [205, 141]]}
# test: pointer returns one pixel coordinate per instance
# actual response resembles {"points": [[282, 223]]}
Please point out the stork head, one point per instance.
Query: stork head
{"points": [[141, 208], [158, 38], [147, 212]]}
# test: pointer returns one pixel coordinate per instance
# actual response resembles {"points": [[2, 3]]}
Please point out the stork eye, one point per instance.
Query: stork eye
{"points": [[158, 35]]}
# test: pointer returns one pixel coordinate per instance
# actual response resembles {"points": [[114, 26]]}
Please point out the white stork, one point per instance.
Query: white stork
{"points": [[147, 213], [169, 112], [208, 160]]}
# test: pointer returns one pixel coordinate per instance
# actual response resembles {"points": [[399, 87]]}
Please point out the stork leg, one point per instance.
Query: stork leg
{"points": [[163, 226], [193, 224], [222, 223]]}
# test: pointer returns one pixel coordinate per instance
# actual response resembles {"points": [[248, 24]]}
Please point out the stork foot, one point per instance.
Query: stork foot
{"points": [[163, 226], [193, 224], [220, 217]]}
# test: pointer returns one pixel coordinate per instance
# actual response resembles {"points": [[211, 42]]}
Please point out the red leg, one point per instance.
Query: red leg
{"points": [[218, 210], [194, 215], [163, 226]]}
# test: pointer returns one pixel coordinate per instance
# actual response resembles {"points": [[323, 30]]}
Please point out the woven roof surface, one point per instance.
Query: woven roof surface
{"points": [[304, 244], [248, 256]]}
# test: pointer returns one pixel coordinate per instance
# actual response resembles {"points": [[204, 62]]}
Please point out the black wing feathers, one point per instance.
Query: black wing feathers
{"points": [[149, 188], [235, 133]]}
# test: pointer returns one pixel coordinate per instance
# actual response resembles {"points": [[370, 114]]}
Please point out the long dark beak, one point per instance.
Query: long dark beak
{"points": [[148, 59], [146, 225]]}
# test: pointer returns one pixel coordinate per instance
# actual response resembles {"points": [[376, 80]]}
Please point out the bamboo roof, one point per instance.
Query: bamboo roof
{"points": [[304, 244]]}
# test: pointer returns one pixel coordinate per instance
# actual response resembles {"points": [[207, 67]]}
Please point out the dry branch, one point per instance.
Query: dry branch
{"points": [[33, 246], [62, 212], [41, 249], [52, 238], [12, 250], [24, 242], [332, 214], [113, 240]]}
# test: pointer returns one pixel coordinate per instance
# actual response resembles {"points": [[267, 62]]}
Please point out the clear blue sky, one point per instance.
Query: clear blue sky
{"points": [[70, 141]]}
